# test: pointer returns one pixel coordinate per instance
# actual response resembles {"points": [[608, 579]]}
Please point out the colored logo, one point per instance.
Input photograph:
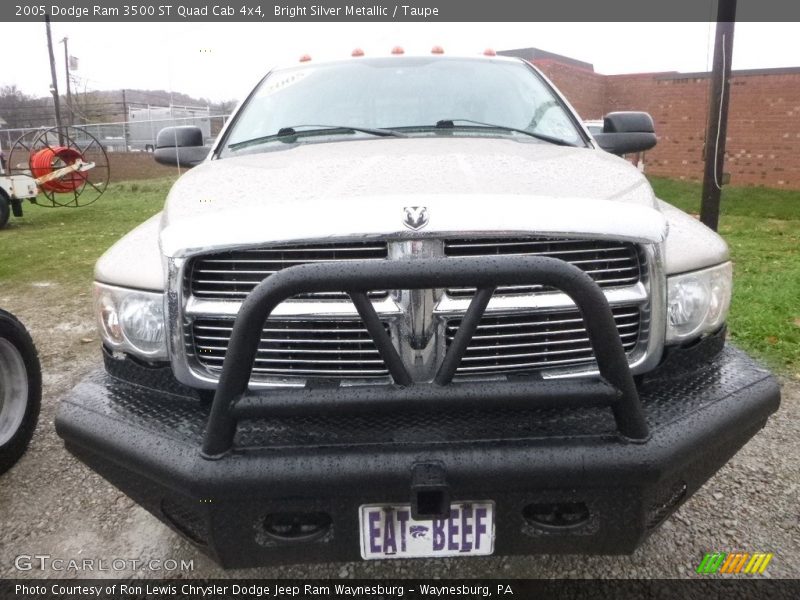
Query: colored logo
{"points": [[419, 531], [734, 562]]}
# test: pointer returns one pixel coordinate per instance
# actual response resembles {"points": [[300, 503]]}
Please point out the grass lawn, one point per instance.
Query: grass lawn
{"points": [[62, 244], [762, 227]]}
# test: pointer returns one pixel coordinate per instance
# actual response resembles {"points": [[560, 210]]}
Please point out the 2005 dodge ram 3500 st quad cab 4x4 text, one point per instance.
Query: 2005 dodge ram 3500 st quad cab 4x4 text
{"points": [[408, 306]]}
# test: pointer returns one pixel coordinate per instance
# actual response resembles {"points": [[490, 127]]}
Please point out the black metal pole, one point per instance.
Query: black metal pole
{"points": [[381, 338], [467, 328], [717, 129], [54, 84]]}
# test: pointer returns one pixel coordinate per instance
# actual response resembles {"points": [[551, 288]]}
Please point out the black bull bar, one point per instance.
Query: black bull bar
{"points": [[614, 388]]}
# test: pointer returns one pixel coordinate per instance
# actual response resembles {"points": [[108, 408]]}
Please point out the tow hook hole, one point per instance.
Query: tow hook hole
{"points": [[297, 527], [556, 516]]}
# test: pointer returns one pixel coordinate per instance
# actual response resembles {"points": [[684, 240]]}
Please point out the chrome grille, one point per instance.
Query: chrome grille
{"points": [[609, 263], [233, 275], [530, 341], [304, 340], [308, 348]]}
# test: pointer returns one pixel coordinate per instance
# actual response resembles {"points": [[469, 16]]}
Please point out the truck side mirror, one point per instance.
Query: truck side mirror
{"points": [[180, 146], [625, 132]]}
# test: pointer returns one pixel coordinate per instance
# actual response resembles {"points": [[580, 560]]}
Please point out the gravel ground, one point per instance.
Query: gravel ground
{"points": [[50, 504]]}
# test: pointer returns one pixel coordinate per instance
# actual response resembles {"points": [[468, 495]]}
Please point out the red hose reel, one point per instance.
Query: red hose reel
{"points": [[47, 160], [68, 165]]}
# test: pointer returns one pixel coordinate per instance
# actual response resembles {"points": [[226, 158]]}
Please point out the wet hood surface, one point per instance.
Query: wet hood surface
{"points": [[414, 168]]}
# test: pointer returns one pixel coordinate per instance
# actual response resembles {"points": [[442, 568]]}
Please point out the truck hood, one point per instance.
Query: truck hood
{"points": [[338, 189]]}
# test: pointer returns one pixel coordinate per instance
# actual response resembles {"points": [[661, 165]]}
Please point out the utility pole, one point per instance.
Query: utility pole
{"points": [[717, 129], [54, 85], [66, 74]]}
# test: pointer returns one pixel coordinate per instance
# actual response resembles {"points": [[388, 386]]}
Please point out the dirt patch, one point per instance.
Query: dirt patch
{"points": [[130, 166]]}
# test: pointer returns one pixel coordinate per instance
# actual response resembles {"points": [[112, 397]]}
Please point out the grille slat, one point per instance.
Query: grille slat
{"points": [[526, 366], [319, 372], [506, 290], [199, 271], [202, 326], [319, 248], [234, 274], [500, 343], [545, 333], [609, 263], [210, 338], [497, 250], [534, 333], [307, 348], [537, 319], [293, 350], [292, 262], [306, 361], [585, 341], [253, 283], [548, 352], [482, 243]]}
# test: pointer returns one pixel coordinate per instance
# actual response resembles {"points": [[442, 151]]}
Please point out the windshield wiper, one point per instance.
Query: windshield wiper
{"points": [[296, 131], [451, 124]]}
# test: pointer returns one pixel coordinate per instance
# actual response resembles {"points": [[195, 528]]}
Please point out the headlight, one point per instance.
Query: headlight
{"points": [[697, 302], [132, 321]]}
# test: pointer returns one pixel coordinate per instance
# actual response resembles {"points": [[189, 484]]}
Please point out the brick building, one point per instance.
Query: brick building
{"points": [[763, 145]]}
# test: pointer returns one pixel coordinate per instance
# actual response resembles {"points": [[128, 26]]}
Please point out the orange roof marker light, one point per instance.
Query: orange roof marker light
{"points": [[357, 52], [489, 52], [437, 50], [305, 58], [398, 50]]}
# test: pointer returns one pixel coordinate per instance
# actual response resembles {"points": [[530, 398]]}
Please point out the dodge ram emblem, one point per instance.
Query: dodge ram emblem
{"points": [[415, 217]]}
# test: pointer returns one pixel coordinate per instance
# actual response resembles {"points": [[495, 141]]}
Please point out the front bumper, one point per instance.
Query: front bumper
{"points": [[700, 408]]}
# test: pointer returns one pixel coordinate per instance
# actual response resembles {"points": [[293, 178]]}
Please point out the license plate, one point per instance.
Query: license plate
{"points": [[388, 531]]}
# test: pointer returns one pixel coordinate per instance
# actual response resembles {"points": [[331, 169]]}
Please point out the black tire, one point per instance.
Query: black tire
{"points": [[5, 210], [14, 336]]}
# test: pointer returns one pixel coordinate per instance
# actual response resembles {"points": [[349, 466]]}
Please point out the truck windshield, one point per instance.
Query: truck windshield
{"points": [[403, 94]]}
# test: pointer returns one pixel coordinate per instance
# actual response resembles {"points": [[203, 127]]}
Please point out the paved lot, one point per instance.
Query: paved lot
{"points": [[51, 504]]}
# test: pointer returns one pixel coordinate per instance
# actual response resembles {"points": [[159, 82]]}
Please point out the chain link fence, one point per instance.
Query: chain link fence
{"points": [[137, 134]]}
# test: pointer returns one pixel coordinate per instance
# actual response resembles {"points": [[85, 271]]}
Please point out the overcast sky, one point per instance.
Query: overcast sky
{"points": [[222, 61]]}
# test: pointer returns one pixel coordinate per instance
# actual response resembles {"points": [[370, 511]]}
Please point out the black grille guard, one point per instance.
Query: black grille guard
{"points": [[615, 386]]}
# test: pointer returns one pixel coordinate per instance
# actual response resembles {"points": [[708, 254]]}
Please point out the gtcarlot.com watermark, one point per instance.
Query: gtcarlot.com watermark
{"points": [[46, 562]]}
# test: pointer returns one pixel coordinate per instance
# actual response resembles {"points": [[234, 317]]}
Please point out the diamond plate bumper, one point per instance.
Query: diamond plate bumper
{"points": [[146, 441]]}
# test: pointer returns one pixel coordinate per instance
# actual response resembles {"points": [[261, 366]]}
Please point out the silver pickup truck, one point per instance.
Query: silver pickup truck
{"points": [[407, 306]]}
